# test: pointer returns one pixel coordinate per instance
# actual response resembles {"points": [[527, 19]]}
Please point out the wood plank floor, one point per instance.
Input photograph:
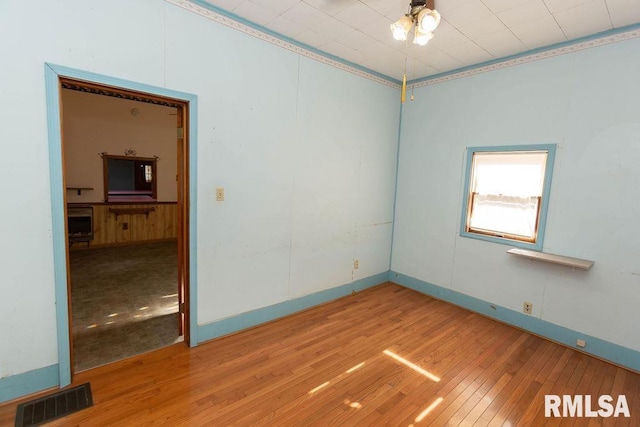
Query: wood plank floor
{"points": [[385, 356]]}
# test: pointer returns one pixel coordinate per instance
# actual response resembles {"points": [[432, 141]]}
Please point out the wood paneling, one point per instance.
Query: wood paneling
{"points": [[328, 366], [111, 229]]}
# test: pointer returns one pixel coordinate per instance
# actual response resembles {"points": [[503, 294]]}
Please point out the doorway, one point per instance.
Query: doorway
{"points": [[57, 79]]}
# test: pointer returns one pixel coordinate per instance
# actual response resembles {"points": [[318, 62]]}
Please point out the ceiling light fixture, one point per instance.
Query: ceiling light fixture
{"points": [[423, 16]]}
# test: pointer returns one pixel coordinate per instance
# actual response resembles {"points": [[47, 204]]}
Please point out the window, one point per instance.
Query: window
{"points": [[506, 194]]}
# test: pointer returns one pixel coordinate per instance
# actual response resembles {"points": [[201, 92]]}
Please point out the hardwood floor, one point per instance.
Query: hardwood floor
{"points": [[384, 356]]}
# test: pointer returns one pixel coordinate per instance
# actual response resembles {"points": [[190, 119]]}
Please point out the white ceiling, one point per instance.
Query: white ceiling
{"points": [[471, 31]]}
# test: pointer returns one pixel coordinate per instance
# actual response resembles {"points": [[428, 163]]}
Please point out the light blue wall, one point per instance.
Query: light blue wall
{"points": [[586, 102], [309, 182], [307, 156]]}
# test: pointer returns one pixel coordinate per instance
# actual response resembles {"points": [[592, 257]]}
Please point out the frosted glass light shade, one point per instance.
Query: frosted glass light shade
{"points": [[421, 38], [428, 20], [401, 28]]}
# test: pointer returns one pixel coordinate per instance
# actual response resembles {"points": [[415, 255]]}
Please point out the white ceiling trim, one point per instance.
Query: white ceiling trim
{"points": [[562, 50], [229, 22], [567, 48]]}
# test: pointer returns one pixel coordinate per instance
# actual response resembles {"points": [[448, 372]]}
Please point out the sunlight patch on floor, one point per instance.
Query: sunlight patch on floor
{"points": [[428, 409], [412, 366], [355, 368], [320, 387], [351, 404]]}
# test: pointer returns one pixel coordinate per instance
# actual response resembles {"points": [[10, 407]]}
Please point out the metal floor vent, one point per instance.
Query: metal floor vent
{"points": [[54, 406]]}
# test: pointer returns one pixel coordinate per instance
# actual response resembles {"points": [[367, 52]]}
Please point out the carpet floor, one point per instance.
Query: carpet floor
{"points": [[124, 302]]}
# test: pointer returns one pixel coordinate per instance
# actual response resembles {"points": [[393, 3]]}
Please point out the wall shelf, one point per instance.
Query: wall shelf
{"points": [[582, 264], [80, 189], [131, 211]]}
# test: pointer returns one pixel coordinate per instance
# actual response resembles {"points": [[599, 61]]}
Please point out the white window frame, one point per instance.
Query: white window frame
{"points": [[537, 243]]}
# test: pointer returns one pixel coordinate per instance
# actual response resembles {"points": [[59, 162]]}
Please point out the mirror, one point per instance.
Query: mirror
{"points": [[129, 179]]}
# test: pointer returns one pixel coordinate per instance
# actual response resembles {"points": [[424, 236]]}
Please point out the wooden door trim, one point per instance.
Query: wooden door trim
{"points": [[66, 234], [182, 146]]}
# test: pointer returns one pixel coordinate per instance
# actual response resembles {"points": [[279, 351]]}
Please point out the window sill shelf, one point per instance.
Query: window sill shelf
{"points": [[582, 264]]}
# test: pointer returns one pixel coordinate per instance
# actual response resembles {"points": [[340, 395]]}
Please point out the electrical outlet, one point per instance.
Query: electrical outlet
{"points": [[581, 343], [220, 194], [527, 307], [356, 264]]}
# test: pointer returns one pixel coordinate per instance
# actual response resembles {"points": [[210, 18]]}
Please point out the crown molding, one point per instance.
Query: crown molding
{"points": [[217, 15], [202, 8], [609, 37]]}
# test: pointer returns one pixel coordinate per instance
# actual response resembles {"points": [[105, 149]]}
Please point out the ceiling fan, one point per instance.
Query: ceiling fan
{"points": [[423, 17]]}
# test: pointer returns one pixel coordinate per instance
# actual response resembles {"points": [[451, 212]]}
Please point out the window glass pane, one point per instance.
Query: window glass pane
{"points": [[506, 190], [511, 174], [509, 215], [148, 177]]}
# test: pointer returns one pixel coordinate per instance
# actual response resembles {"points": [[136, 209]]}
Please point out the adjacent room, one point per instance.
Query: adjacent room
{"points": [[120, 158], [310, 212]]}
